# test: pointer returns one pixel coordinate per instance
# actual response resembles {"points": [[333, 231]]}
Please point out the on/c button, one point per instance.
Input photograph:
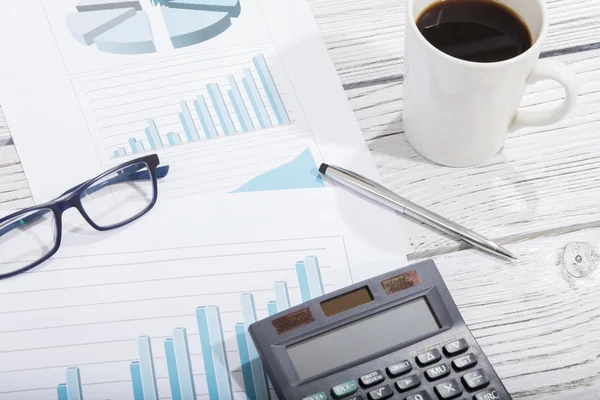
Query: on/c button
{"points": [[344, 389]]}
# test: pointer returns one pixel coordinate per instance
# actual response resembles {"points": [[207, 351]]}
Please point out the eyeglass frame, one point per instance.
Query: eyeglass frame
{"points": [[72, 199]]}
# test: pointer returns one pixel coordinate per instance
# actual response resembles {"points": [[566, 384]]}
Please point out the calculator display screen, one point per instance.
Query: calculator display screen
{"points": [[362, 338]]}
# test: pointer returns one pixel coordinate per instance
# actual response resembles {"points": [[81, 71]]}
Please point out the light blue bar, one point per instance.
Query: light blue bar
{"points": [[172, 369], [209, 366], [116, 154], [240, 106], [282, 296], [74, 391], [240, 333], [121, 151], [153, 135], [140, 147], [272, 308], [147, 368], [237, 111], [189, 121], [150, 139], [303, 281], [217, 99], [184, 364], [256, 100], [269, 84], [61, 391], [258, 374], [133, 145], [217, 345], [313, 273], [208, 125], [173, 139], [136, 381], [188, 134]]}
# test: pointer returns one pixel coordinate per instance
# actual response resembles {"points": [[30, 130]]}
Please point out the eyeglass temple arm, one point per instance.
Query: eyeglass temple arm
{"points": [[161, 172]]}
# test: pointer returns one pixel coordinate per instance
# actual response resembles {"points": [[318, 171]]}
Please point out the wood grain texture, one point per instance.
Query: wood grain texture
{"points": [[538, 325], [546, 178], [366, 39]]}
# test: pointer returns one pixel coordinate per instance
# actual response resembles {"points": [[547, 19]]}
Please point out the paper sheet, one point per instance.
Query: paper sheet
{"points": [[84, 312], [241, 100], [76, 109]]}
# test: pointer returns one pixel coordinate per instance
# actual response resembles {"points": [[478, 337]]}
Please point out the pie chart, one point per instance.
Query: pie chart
{"points": [[124, 27]]}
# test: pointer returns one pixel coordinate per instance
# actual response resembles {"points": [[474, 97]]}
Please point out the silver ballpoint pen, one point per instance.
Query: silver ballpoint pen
{"points": [[386, 197]]}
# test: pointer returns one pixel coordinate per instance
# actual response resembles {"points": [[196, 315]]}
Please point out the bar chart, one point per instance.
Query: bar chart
{"points": [[217, 372], [211, 116]]}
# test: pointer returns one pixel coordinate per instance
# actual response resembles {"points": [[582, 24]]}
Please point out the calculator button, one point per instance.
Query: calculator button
{"points": [[437, 372], [489, 394], [429, 357], [408, 383], [400, 368], [372, 379], [316, 396], [419, 396], [344, 389], [475, 380], [448, 390], [454, 348], [464, 362], [384, 392]]}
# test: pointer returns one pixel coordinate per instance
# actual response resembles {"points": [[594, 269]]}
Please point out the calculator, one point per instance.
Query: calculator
{"points": [[397, 336]]}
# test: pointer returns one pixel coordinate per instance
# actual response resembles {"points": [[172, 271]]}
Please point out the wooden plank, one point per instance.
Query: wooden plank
{"points": [[545, 178], [366, 42], [537, 322]]}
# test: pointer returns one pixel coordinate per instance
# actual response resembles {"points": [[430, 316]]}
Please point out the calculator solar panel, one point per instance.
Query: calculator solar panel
{"points": [[397, 336]]}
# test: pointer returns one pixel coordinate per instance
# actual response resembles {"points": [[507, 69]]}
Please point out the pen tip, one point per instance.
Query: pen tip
{"points": [[323, 168], [506, 253]]}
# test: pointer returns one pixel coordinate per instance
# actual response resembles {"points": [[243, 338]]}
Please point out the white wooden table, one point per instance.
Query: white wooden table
{"points": [[537, 319]]}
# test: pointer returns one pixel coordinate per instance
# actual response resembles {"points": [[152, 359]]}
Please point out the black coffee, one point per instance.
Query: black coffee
{"points": [[475, 30]]}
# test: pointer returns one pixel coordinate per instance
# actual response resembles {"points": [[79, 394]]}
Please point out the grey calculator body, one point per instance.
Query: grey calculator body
{"points": [[396, 336]]}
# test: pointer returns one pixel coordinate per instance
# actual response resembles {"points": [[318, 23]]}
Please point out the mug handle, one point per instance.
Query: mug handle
{"points": [[559, 72]]}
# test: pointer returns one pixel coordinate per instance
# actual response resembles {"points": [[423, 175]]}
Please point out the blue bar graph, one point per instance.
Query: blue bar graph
{"points": [[240, 107], [61, 391], [313, 274], [184, 364], [222, 113], [74, 390], [272, 308], [282, 296], [254, 106], [153, 136], [189, 121], [172, 369], [218, 375], [258, 374], [173, 139], [209, 365], [147, 368], [256, 100], [269, 85], [206, 120], [240, 333], [136, 381], [303, 281]]}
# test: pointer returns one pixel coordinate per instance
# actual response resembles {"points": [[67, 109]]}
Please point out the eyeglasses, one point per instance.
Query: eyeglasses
{"points": [[108, 201]]}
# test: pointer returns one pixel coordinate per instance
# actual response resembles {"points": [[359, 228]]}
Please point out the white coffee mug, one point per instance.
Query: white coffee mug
{"points": [[458, 113]]}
